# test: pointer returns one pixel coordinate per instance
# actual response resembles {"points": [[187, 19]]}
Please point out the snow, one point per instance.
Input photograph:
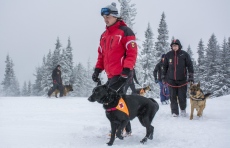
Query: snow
{"points": [[40, 122]]}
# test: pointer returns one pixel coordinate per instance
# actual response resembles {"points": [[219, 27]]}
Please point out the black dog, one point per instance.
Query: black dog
{"points": [[138, 106]]}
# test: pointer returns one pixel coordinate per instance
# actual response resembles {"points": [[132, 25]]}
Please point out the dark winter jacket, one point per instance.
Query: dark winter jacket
{"points": [[56, 75], [117, 49], [158, 71], [176, 64]]}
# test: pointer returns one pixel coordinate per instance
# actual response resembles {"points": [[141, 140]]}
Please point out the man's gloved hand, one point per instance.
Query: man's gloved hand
{"points": [[96, 74], [190, 78], [54, 81], [163, 79], [156, 81], [124, 75]]}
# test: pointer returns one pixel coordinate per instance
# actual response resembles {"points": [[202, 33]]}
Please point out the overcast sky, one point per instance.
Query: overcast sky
{"points": [[29, 28]]}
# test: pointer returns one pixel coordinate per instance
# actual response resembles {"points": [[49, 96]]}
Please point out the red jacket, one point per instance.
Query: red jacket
{"points": [[117, 49]]}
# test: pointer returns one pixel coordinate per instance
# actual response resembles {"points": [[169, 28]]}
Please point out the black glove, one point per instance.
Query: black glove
{"points": [[96, 74], [125, 72], [156, 81], [190, 78]]}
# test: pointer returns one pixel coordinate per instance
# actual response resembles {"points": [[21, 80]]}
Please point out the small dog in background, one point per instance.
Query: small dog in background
{"points": [[143, 91], [197, 99]]}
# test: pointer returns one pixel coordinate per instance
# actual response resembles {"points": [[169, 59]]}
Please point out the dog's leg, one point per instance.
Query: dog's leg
{"points": [[149, 129], [113, 132], [120, 129], [200, 111], [192, 109]]}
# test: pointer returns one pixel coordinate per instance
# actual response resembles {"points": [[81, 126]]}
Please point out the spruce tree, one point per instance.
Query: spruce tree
{"points": [[128, 12], [10, 83], [200, 61], [24, 89], [162, 45], [148, 60]]}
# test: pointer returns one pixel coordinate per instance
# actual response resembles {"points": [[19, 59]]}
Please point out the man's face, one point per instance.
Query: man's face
{"points": [[109, 20], [175, 47], [59, 68]]}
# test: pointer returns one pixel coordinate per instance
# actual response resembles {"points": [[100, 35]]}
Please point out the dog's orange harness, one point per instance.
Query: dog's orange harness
{"points": [[121, 107]]}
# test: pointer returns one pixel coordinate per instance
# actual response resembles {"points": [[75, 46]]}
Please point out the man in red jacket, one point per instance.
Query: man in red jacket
{"points": [[117, 51]]}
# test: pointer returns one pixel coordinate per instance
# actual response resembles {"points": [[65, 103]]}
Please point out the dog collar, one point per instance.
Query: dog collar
{"points": [[198, 99], [111, 109], [121, 106]]}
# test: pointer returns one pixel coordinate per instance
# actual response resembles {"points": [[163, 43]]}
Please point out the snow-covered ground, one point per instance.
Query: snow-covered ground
{"points": [[39, 122]]}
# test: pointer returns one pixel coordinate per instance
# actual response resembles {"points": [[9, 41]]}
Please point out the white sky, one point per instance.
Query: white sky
{"points": [[39, 122], [29, 28]]}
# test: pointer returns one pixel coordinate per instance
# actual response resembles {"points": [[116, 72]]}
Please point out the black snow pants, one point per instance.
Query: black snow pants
{"points": [[177, 95]]}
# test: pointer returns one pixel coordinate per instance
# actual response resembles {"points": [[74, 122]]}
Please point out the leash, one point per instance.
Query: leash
{"points": [[164, 86], [177, 86], [197, 99]]}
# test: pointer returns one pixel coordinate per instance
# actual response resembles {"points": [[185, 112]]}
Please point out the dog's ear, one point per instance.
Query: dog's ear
{"points": [[198, 85], [190, 84]]}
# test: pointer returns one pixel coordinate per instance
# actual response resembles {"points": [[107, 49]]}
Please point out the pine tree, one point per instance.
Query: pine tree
{"points": [[29, 89], [148, 60], [201, 61], [225, 64], [56, 54], [10, 83], [37, 86], [128, 12], [162, 45], [213, 76], [24, 89], [79, 84]]}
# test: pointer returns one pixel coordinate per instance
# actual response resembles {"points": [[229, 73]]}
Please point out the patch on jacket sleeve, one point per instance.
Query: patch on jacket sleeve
{"points": [[122, 106]]}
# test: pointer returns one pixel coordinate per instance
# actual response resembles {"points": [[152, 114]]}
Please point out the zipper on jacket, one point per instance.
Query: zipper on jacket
{"points": [[111, 43], [175, 64]]}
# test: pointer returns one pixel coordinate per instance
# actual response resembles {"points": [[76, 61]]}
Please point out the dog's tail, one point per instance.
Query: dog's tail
{"points": [[207, 95]]}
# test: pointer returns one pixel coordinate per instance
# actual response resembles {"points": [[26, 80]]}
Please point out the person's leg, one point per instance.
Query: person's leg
{"points": [[126, 88], [61, 89], [53, 89], [132, 86], [173, 100], [182, 95], [167, 95], [162, 97]]}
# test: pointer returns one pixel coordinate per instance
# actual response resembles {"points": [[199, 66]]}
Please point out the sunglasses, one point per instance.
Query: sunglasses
{"points": [[107, 11]]}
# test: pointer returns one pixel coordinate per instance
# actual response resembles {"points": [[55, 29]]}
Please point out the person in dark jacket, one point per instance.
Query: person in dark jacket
{"points": [[164, 91], [117, 51], [177, 65], [57, 81], [130, 82]]}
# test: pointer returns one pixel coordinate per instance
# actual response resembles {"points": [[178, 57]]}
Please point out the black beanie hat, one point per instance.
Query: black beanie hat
{"points": [[177, 42], [58, 66], [163, 56]]}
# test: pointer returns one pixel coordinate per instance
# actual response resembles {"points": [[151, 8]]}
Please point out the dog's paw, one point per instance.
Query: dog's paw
{"points": [[109, 143], [144, 140], [120, 137]]}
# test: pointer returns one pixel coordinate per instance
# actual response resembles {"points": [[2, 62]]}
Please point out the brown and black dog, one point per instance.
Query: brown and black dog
{"points": [[67, 89], [197, 99], [121, 109], [142, 91]]}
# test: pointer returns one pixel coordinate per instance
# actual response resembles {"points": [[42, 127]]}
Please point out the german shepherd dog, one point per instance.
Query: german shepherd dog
{"points": [[67, 89], [142, 91], [197, 99], [137, 106]]}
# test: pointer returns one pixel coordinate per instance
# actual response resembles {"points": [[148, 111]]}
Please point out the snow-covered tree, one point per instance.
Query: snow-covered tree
{"points": [[148, 59], [24, 89], [128, 12], [162, 45], [29, 89], [56, 54], [10, 82], [200, 61]]}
